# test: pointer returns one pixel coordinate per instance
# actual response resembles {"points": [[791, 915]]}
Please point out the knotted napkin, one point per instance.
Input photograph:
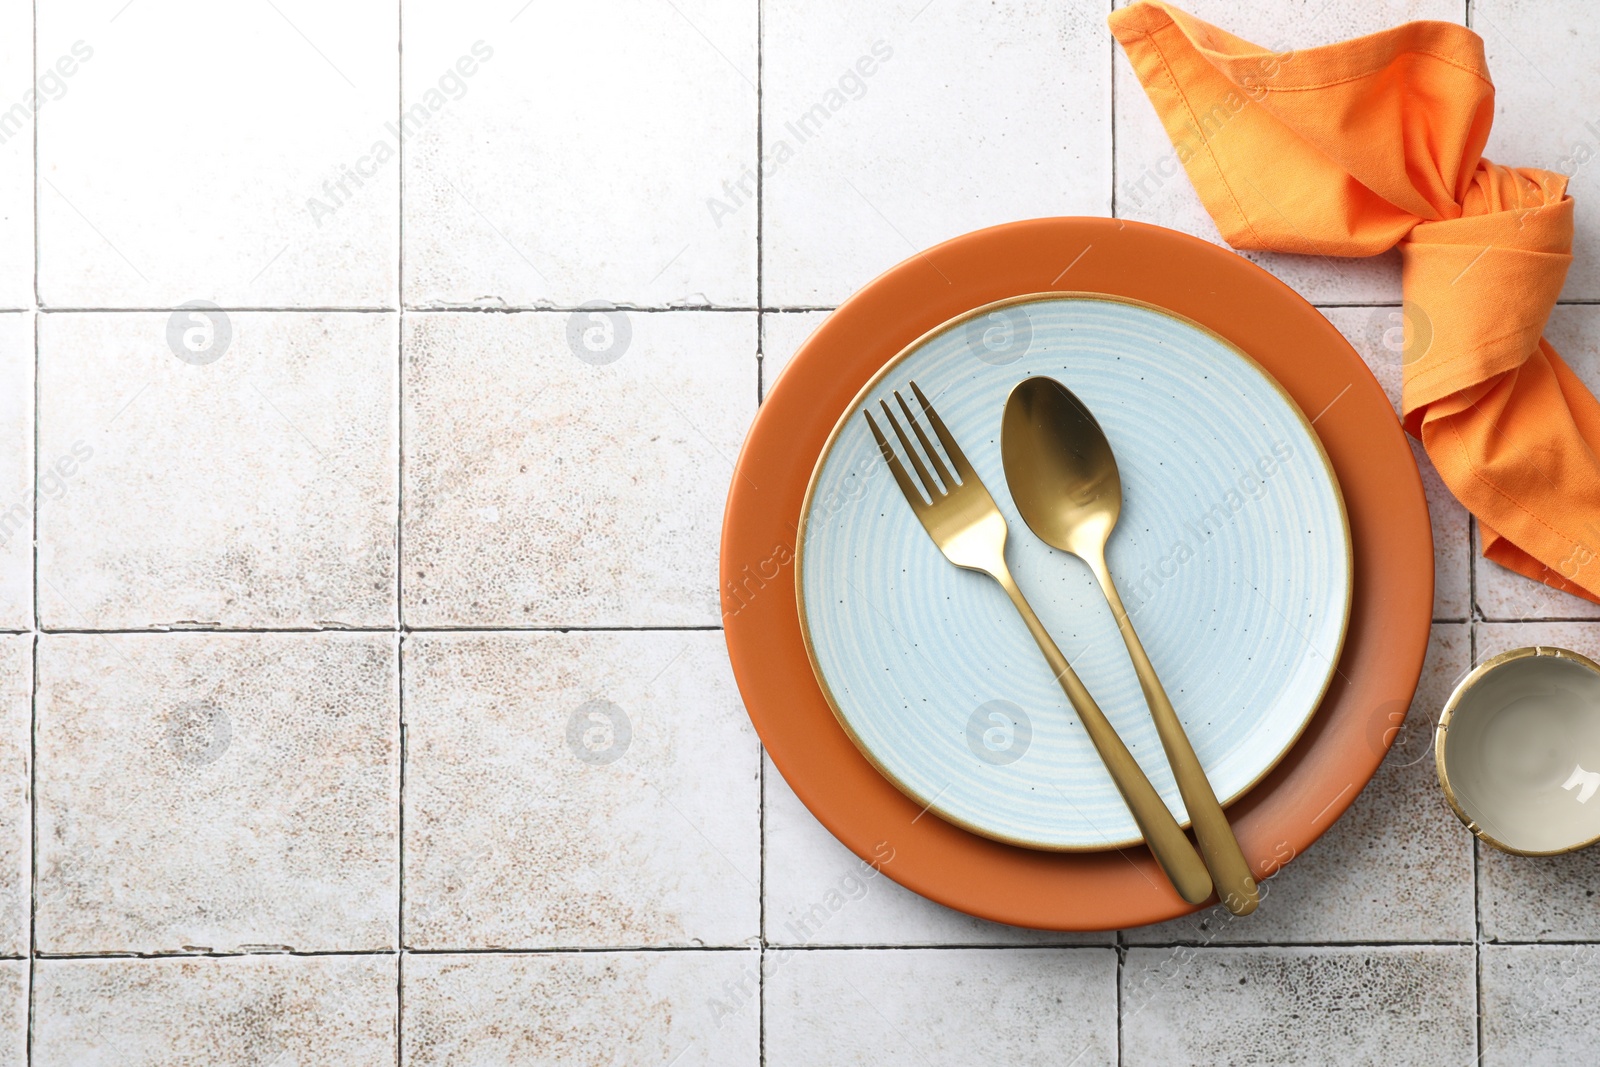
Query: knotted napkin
{"points": [[1353, 148]]}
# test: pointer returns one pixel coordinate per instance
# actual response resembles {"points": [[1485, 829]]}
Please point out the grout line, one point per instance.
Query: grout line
{"points": [[309, 309], [651, 309], [52, 957], [1493, 621], [575, 950], [399, 539], [761, 758], [33, 578], [1111, 72], [1121, 949], [399, 1008], [641, 309], [211, 954], [33, 839], [1477, 946], [554, 628], [33, 478], [1477, 851], [559, 628], [761, 295], [1269, 946]]}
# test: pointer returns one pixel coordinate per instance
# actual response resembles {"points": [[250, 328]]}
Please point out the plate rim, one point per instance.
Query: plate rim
{"points": [[848, 415]]}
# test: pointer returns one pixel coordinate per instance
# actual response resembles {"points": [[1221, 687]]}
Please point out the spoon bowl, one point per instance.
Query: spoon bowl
{"points": [[1060, 467]]}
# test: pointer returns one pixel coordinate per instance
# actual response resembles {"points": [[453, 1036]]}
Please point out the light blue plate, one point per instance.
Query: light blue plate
{"points": [[1232, 554]]}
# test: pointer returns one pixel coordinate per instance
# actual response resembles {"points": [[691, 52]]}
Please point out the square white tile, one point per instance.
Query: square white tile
{"points": [[1574, 330], [13, 1013], [251, 483], [1539, 1005], [21, 97], [217, 792], [1396, 867], [17, 499], [616, 1008], [877, 144], [219, 152], [1541, 56], [819, 893], [1539, 898], [1409, 1006], [579, 161], [16, 809], [570, 469], [912, 1007], [1377, 334], [1153, 187], [578, 790], [258, 1011]]}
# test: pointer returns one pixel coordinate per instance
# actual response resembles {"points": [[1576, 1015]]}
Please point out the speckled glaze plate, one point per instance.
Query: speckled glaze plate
{"points": [[1233, 554]]}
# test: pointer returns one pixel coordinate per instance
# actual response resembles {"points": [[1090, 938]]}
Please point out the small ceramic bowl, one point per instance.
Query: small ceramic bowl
{"points": [[1518, 750]]}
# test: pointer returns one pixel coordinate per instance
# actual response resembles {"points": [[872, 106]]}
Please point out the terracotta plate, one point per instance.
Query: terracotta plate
{"points": [[1391, 602]]}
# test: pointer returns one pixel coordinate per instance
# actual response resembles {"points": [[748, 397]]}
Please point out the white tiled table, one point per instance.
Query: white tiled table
{"points": [[362, 693]]}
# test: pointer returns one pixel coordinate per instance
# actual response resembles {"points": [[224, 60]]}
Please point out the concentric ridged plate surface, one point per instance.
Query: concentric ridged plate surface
{"points": [[1232, 553]]}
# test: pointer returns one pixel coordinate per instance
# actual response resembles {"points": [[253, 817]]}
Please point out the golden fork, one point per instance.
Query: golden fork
{"points": [[963, 521]]}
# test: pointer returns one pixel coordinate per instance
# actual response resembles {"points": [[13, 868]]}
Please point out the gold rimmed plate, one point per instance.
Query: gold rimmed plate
{"points": [[1233, 552]]}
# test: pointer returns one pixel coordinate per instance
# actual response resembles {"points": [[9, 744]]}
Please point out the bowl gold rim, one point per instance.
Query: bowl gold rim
{"points": [[1464, 687]]}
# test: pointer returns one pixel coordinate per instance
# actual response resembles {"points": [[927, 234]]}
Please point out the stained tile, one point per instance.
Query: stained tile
{"points": [[578, 790], [621, 1008], [16, 812], [958, 1005], [217, 792], [217, 468], [1411, 1006], [250, 1011], [570, 469], [13, 1013], [1539, 1005]]}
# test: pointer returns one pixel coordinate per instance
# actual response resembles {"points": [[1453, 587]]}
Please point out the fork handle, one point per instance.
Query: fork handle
{"points": [[1167, 841], [1225, 860]]}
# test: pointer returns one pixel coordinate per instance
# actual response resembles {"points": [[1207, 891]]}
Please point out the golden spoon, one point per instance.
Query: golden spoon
{"points": [[1064, 479]]}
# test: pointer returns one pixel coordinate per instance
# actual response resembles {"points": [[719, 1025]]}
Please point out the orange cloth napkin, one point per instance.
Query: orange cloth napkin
{"points": [[1352, 148]]}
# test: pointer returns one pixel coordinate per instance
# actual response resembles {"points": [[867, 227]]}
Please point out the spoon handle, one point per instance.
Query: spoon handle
{"points": [[1166, 839], [1225, 860]]}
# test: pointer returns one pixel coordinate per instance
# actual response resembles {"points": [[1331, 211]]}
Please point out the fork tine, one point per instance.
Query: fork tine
{"points": [[957, 457], [934, 490], [913, 497], [927, 445]]}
